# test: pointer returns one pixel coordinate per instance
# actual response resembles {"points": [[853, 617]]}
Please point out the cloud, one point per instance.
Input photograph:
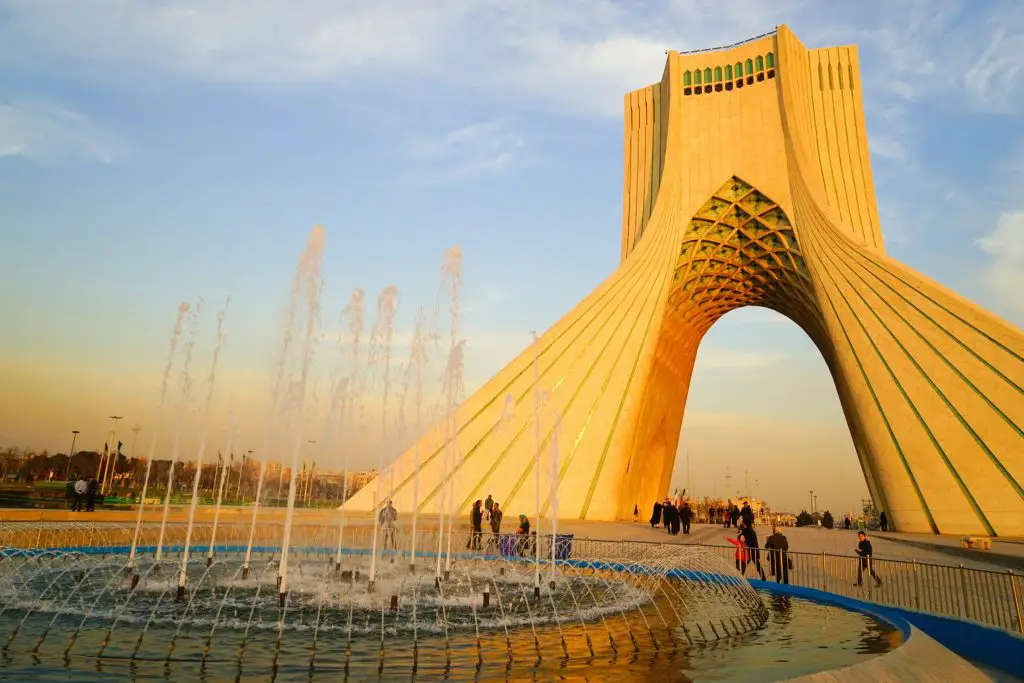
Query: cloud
{"points": [[473, 150], [992, 79], [45, 132], [576, 56], [1005, 244], [721, 358]]}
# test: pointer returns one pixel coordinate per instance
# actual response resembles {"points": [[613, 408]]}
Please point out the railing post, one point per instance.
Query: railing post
{"points": [[963, 592], [917, 588], [824, 581], [1016, 601]]}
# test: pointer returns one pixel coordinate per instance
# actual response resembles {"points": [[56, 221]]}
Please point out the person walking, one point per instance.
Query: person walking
{"points": [[883, 521], [747, 514], [686, 516], [671, 517], [81, 487], [388, 519], [496, 515], [865, 552], [777, 546], [523, 533], [90, 494], [749, 537], [476, 518], [656, 515]]}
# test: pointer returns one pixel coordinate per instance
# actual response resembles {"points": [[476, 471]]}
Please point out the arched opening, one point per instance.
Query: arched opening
{"points": [[687, 78], [763, 419]]}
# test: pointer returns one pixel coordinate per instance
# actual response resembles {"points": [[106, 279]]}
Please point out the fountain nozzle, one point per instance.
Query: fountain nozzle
{"points": [[181, 593], [281, 598]]}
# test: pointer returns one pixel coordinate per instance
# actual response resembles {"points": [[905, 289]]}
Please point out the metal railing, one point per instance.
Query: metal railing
{"points": [[992, 598], [729, 47]]}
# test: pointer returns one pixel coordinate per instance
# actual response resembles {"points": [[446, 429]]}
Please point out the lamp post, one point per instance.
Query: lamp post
{"points": [[71, 453], [135, 437], [112, 458], [812, 502], [250, 462], [309, 478]]}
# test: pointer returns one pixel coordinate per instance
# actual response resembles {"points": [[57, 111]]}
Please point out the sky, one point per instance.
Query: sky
{"points": [[155, 152]]}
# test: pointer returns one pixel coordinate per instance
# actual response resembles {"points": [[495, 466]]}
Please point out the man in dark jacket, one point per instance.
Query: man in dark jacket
{"points": [[864, 551], [777, 546], [476, 519], [686, 515], [747, 515], [749, 537], [90, 494], [671, 515]]}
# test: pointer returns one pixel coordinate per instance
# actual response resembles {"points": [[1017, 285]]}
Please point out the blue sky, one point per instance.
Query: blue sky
{"points": [[152, 152]]}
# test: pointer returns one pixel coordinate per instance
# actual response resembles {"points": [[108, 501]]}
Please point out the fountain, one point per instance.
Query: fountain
{"points": [[239, 596]]}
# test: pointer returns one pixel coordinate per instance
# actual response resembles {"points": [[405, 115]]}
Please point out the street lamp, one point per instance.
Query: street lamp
{"points": [[71, 453], [812, 502], [112, 457], [309, 478]]}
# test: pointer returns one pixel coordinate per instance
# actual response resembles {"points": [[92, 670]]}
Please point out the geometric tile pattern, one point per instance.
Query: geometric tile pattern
{"points": [[740, 250]]}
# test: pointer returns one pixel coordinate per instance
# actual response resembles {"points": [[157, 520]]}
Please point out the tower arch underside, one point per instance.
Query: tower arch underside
{"points": [[929, 384], [739, 249]]}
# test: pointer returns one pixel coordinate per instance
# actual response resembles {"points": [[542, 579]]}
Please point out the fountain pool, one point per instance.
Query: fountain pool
{"points": [[675, 614]]}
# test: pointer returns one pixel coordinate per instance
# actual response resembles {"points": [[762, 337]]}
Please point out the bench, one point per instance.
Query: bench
{"points": [[976, 542]]}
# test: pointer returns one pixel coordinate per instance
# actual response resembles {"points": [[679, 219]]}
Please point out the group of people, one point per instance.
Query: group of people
{"points": [[490, 513], [748, 551], [485, 512], [80, 493], [672, 515]]}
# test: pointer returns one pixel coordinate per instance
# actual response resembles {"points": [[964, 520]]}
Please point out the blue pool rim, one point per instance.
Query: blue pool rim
{"points": [[993, 647]]}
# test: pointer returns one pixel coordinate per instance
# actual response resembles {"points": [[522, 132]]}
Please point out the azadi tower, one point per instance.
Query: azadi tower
{"points": [[747, 182]]}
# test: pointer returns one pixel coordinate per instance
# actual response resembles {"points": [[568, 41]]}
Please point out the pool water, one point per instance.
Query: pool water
{"points": [[800, 637]]}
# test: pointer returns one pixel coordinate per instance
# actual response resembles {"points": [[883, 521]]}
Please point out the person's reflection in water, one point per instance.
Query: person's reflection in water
{"points": [[878, 639], [782, 606]]}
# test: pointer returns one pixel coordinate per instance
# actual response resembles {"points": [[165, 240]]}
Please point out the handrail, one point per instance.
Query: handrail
{"points": [[990, 597], [729, 47]]}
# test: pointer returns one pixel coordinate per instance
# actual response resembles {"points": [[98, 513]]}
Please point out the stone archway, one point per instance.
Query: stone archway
{"points": [[758, 194]]}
